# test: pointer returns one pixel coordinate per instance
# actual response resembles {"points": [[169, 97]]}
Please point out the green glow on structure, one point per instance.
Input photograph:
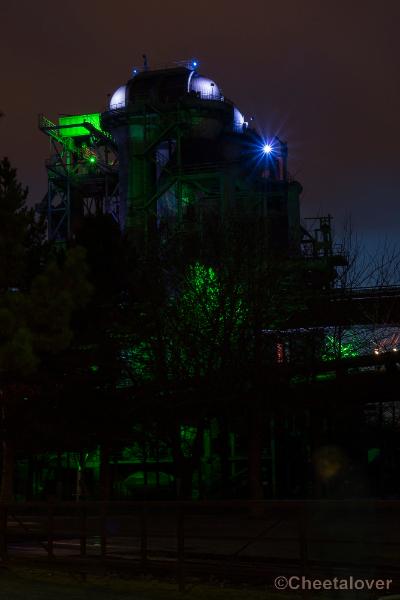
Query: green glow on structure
{"points": [[188, 436], [73, 126], [334, 349], [325, 376], [92, 159], [187, 195], [373, 454]]}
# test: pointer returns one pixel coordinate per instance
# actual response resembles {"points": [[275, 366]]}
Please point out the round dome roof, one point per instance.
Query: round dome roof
{"points": [[206, 88], [238, 118], [118, 99]]}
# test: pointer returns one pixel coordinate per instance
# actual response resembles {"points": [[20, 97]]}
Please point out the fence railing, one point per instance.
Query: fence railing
{"points": [[238, 540]]}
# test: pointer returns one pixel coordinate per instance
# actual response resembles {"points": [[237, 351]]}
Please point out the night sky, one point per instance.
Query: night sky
{"points": [[323, 74]]}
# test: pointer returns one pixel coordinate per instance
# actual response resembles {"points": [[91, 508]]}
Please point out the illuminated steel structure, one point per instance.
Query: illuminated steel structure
{"points": [[82, 173], [187, 156], [170, 151], [171, 154]]}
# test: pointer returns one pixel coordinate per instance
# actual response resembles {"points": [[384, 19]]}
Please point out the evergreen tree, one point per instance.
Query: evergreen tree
{"points": [[39, 292]]}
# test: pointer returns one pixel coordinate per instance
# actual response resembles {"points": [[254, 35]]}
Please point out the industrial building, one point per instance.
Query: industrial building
{"points": [[171, 157], [172, 154]]}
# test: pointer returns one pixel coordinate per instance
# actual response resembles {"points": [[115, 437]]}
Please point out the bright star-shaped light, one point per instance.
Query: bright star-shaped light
{"points": [[267, 148]]}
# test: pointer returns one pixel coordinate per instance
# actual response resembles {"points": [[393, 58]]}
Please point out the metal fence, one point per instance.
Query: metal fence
{"points": [[239, 541]]}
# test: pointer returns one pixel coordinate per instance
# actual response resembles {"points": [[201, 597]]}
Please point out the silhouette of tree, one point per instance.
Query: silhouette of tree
{"points": [[39, 292]]}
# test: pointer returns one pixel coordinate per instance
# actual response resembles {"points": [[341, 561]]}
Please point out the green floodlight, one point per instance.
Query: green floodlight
{"points": [[74, 125]]}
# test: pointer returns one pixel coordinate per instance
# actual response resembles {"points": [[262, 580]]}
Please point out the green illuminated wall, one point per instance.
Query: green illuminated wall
{"points": [[74, 125]]}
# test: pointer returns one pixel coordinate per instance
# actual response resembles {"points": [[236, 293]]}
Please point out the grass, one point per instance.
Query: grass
{"points": [[40, 584]]}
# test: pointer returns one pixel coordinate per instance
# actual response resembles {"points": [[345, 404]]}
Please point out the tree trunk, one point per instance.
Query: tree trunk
{"points": [[224, 457], [104, 476], [183, 469], [7, 472], [187, 470], [81, 488]]}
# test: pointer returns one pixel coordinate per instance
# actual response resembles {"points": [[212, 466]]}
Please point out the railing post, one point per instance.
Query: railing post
{"points": [[303, 551], [3, 531], [50, 530], [83, 532], [103, 525], [180, 531], [303, 546], [143, 538]]}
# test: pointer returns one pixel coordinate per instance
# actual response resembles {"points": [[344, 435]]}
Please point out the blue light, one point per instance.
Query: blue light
{"points": [[195, 64], [267, 148]]}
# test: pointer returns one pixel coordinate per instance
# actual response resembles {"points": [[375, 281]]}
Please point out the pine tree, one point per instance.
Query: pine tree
{"points": [[39, 292]]}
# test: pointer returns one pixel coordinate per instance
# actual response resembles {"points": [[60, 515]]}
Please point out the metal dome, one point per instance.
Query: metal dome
{"points": [[118, 99], [205, 87], [238, 120], [165, 86]]}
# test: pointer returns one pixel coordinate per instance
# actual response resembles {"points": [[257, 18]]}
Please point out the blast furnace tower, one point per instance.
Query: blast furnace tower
{"points": [[170, 154]]}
